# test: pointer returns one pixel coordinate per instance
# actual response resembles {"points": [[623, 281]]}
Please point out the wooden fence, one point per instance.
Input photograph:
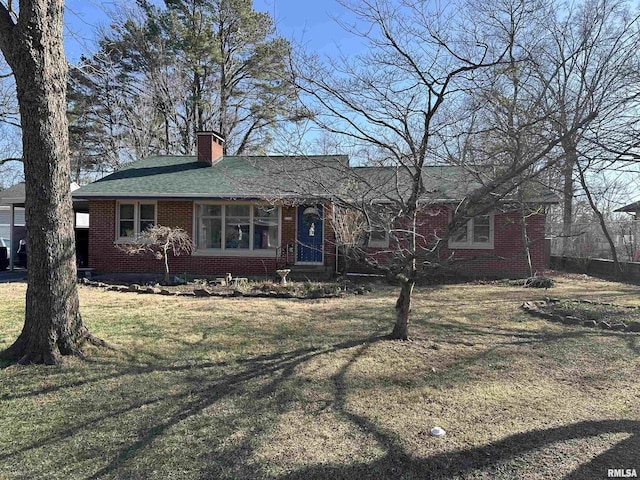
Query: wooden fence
{"points": [[598, 267]]}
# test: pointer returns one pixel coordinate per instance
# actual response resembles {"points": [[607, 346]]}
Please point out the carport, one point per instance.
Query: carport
{"points": [[13, 199]]}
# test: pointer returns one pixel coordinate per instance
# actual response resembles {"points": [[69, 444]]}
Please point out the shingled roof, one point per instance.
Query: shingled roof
{"points": [[250, 177], [269, 177], [13, 195], [631, 208]]}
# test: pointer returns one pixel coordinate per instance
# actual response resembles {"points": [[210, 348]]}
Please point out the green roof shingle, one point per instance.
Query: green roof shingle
{"points": [[231, 177], [279, 177]]}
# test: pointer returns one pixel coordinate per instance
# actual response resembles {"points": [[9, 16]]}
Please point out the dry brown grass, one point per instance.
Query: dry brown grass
{"points": [[263, 388]]}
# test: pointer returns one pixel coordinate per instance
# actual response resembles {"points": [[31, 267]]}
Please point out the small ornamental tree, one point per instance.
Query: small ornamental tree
{"points": [[159, 240]]}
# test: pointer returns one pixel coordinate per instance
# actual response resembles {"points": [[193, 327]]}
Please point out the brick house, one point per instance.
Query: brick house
{"points": [[250, 215]]}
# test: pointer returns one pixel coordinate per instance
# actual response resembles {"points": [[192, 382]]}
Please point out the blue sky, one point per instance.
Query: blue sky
{"points": [[306, 22]]}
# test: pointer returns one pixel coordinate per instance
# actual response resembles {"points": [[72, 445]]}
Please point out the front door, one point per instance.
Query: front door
{"points": [[310, 234]]}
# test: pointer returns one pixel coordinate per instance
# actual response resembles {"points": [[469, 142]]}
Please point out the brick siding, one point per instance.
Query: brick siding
{"points": [[104, 256], [507, 259]]}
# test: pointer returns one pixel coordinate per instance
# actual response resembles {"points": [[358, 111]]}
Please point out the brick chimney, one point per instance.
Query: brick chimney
{"points": [[209, 147]]}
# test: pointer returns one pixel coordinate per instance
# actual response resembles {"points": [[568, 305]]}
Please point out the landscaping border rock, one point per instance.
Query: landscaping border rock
{"points": [[200, 292], [537, 309]]}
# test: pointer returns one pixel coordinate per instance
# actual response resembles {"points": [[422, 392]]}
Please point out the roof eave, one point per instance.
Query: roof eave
{"points": [[189, 196]]}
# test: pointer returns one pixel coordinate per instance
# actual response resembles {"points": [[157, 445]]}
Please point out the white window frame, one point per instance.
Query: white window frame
{"points": [[384, 243], [235, 252], [136, 218], [469, 243]]}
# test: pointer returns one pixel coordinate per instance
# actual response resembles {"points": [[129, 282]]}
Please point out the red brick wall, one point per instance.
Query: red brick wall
{"points": [[209, 148], [104, 255], [505, 260], [289, 225], [508, 257]]}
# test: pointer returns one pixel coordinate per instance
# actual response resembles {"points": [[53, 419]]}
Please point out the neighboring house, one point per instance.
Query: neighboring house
{"points": [[251, 215], [588, 241], [632, 208], [13, 224], [627, 234]]}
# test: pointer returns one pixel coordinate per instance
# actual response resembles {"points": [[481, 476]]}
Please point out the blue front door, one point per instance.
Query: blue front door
{"points": [[310, 234]]}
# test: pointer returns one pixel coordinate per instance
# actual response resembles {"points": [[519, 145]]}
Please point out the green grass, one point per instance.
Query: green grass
{"points": [[273, 388]]}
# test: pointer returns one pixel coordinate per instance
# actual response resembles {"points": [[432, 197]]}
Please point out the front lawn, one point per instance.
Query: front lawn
{"points": [[238, 388]]}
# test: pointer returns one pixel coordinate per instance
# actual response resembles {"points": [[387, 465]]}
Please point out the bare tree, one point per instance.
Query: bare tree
{"points": [[164, 72], [31, 42], [8, 107], [590, 60], [350, 228], [417, 81], [9, 123], [160, 241], [596, 194], [112, 120]]}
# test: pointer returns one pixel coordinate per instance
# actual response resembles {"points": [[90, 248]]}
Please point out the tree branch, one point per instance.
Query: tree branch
{"points": [[8, 40], [7, 160]]}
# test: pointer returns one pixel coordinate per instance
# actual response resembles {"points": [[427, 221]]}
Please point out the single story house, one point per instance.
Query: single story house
{"points": [[251, 215]]}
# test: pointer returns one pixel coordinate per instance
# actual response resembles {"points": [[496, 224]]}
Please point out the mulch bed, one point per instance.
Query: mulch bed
{"points": [[586, 313], [204, 288]]}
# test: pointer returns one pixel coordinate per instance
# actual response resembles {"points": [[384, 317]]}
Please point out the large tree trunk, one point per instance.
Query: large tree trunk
{"points": [[33, 48], [403, 310]]}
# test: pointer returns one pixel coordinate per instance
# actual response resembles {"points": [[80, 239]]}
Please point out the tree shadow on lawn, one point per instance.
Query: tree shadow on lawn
{"points": [[444, 331], [280, 368], [259, 384], [276, 368], [259, 387], [397, 464]]}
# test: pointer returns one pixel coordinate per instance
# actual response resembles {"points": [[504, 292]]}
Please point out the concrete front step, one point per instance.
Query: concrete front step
{"points": [[313, 273]]}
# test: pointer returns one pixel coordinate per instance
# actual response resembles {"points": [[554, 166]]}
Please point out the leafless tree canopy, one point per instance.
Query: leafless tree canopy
{"points": [[160, 241], [455, 83]]}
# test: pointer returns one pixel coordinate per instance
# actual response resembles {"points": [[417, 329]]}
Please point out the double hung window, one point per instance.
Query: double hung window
{"points": [[476, 233], [133, 218], [378, 237], [371, 229]]}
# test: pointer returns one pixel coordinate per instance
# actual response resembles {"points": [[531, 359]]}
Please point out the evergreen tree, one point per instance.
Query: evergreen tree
{"points": [[188, 66]]}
